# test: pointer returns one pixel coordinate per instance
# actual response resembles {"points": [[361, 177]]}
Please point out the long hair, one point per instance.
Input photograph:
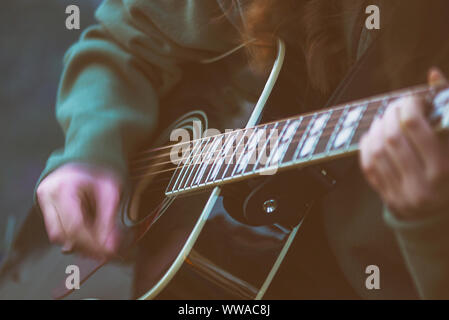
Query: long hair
{"points": [[313, 26]]}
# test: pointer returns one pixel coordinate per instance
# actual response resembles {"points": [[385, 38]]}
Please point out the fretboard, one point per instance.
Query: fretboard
{"points": [[288, 143]]}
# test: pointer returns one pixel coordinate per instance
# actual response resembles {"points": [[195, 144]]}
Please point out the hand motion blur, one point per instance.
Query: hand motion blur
{"points": [[79, 204], [405, 160]]}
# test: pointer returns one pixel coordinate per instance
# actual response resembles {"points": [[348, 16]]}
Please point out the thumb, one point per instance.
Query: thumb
{"points": [[107, 204], [436, 78]]}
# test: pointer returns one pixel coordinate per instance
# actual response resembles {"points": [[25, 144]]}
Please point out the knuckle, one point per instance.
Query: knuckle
{"points": [[366, 163], [438, 171], [411, 101], [392, 138], [111, 248], [410, 122], [378, 152], [368, 168], [41, 192], [417, 101], [110, 187], [392, 109], [54, 236], [45, 188]]}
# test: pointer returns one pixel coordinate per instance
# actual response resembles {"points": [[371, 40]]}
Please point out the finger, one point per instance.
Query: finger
{"points": [[381, 160], [107, 205], [436, 78], [71, 211], [418, 130], [404, 157], [55, 231], [367, 164]]}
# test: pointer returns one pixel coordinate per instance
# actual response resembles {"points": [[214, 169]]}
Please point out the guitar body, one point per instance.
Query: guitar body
{"points": [[228, 260], [228, 242]]}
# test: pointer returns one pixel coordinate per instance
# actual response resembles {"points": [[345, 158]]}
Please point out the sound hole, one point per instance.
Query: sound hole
{"points": [[152, 170], [150, 174]]}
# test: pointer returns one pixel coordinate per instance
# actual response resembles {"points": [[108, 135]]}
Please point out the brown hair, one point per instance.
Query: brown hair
{"points": [[314, 26]]}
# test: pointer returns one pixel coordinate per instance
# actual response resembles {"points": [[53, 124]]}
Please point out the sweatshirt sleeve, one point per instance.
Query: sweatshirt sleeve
{"points": [[115, 75], [425, 246]]}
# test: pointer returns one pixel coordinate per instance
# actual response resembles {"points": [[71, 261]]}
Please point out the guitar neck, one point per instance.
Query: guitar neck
{"points": [[289, 143]]}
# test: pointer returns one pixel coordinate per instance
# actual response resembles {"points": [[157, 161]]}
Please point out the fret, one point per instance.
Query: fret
{"points": [[356, 124], [297, 139], [337, 128], [331, 128], [266, 151], [202, 159], [287, 140], [179, 167], [249, 156], [304, 137], [220, 166], [313, 135], [192, 165], [347, 127], [275, 153], [189, 160], [370, 114], [238, 163], [227, 174], [260, 151], [385, 103], [211, 159]]}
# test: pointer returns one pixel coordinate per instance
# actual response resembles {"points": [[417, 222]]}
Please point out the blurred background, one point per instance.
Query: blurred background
{"points": [[33, 39]]}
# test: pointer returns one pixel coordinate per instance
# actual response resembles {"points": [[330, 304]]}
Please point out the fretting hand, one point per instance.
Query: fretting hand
{"points": [[405, 160]]}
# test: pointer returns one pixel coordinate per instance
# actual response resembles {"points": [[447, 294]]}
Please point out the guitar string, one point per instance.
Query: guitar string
{"points": [[325, 133], [330, 125], [328, 130], [236, 132], [370, 102], [360, 124], [209, 162]]}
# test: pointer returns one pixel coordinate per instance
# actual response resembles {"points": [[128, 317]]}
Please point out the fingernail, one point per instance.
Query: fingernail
{"points": [[67, 248]]}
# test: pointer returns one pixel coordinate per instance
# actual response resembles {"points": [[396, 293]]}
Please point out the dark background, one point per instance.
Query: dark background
{"points": [[33, 39]]}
